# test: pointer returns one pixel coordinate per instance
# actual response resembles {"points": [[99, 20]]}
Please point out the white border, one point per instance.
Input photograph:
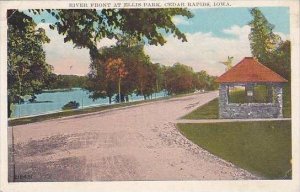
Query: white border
{"points": [[232, 186]]}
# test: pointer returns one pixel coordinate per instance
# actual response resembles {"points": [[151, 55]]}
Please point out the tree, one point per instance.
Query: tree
{"points": [[201, 80], [263, 41], [281, 59], [155, 79], [179, 79], [27, 69], [147, 75], [267, 46], [97, 83], [160, 78], [116, 71]]}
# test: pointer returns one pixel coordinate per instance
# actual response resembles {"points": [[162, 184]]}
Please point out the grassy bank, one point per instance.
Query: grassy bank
{"points": [[263, 148]]}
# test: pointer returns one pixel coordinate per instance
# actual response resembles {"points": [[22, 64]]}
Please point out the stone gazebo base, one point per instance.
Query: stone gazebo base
{"points": [[250, 110]]}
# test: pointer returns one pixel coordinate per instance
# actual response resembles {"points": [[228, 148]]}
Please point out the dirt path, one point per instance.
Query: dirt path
{"points": [[136, 143]]}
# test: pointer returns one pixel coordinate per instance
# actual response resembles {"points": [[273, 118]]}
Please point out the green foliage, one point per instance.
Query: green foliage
{"points": [[179, 79], [287, 105], [267, 46], [260, 94], [150, 79], [262, 39], [263, 148], [205, 81], [28, 71], [182, 79], [281, 60], [86, 27], [71, 105]]}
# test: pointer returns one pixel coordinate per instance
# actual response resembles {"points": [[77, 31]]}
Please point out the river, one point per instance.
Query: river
{"points": [[53, 101]]}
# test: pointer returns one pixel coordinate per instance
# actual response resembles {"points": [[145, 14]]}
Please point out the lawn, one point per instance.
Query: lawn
{"points": [[263, 148], [211, 109]]}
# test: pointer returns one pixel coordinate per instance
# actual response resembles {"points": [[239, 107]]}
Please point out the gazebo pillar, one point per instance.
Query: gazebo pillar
{"points": [[249, 89], [223, 100], [278, 99]]}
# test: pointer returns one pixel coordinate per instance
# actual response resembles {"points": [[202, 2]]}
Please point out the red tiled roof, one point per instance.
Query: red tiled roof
{"points": [[250, 70]]}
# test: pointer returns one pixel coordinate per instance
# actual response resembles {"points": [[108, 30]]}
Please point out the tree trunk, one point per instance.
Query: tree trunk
{"points": [[9, 111], [109, 99], [119, 87]]}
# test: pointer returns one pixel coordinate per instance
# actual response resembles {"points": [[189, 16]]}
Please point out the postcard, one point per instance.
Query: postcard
{"points": [[149, 95]]}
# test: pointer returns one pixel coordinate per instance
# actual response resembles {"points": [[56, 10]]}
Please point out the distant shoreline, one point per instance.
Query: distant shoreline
{"points": [[60, 90]]}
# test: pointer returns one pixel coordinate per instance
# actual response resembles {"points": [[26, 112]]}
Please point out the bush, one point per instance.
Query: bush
{"points": [[71, 105]]}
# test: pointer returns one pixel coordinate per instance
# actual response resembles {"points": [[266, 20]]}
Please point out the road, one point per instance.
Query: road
{"points": [[132, 143]]}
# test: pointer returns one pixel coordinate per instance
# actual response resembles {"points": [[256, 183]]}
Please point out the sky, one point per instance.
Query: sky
{"points": [[212, 34]]}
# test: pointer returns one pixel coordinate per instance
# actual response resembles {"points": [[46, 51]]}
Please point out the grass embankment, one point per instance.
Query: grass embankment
{"points": [[263, 148], [211, 109]]}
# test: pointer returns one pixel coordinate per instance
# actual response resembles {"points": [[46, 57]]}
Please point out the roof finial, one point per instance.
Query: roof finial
{"points": [[228, 63]]}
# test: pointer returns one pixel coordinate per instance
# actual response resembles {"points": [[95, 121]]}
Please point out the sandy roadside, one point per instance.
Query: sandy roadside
{"points": [[136, 143]]}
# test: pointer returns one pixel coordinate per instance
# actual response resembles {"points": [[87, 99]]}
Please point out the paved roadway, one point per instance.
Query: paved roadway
{"points": [[134, 143]]}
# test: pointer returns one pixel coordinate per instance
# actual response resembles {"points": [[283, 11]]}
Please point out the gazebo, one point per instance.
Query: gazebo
{"points": [[250, 90]]}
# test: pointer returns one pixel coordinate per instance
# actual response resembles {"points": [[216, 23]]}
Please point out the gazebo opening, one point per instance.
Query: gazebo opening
{"points": [[257, 94]]}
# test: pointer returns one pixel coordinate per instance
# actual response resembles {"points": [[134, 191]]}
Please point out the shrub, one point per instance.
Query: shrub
{"points": [[71, 105]]}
